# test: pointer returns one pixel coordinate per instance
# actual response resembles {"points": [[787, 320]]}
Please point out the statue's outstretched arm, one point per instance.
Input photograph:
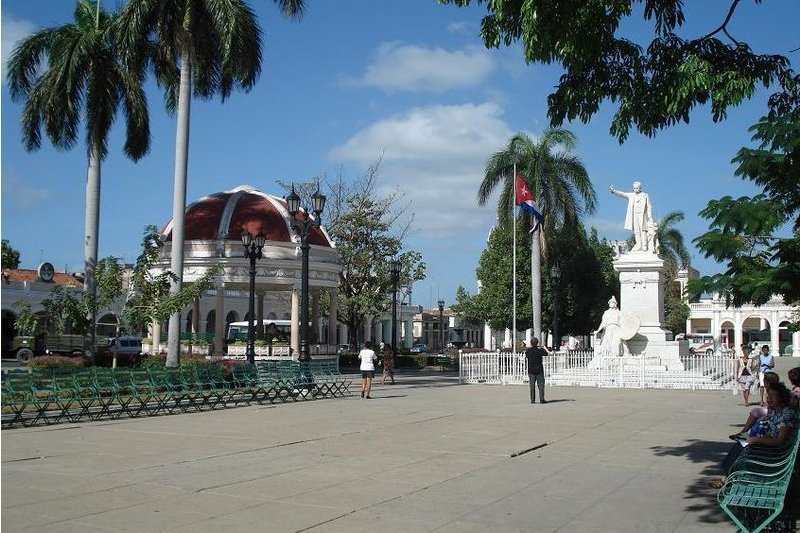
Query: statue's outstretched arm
{"points": [[620, 194]]}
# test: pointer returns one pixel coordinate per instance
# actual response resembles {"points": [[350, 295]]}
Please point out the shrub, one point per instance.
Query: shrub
{"points": [[153, 361], [106, 359], [407, 361], [58, 361], [348, 360]]}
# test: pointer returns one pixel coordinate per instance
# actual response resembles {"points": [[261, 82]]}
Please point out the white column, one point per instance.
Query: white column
{"points": [[379, 332], [507, 339], [367, 328], [219, 323], [155, 329], [774, 333], [796, 344], [343, 336], [408, 334], [528, 336], [295, 327], [196, 316], [715, 326], [487, 336], [333, 322]]}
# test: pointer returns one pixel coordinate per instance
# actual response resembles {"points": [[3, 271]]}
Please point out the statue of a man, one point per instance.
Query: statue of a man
{"points": [[639, 215]]}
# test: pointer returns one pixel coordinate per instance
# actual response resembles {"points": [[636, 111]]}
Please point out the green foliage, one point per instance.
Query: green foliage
{"points": [[368, 229], [10, 255], [27, 322], [587, 281], [58, 361], [149, 298], [556, 177], [653, 86], [66, 310], [676, 313]]}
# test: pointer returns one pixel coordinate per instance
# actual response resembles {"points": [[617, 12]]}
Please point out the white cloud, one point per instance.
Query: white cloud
{"points": [[437, 155], [12, 31], [24, 196], [418, 69]]}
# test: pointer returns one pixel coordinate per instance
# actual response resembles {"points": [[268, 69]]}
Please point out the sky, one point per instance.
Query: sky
{"points": [[408, 82]]}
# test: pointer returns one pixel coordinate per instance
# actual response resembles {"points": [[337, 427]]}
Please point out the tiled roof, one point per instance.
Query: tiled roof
{"points": [[20, 275]]}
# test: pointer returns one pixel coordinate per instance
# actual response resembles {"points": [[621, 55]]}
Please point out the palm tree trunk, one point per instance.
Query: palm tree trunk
{"points": [[536, 285], [91, 229], [179, 200]]}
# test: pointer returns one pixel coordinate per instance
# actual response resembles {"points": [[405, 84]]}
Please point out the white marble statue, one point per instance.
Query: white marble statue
{"points": [[639, 215], [611, 345]]}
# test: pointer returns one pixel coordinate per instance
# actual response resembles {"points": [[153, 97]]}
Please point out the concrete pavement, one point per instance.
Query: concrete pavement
{"points": [[423, 455]]}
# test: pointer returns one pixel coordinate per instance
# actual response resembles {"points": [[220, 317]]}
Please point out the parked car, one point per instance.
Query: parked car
{"points": [[419, 347], [700, 344]]}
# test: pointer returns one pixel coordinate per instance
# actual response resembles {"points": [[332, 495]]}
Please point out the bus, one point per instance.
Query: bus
{"points": [[237, 331]]}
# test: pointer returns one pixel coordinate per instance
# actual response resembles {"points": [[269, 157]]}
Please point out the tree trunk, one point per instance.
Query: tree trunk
{"points": [[536, 285], [179, 200], [91, 230]]}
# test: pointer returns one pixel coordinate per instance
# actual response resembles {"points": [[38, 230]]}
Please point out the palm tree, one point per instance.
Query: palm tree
{"points": [[559, 183], [83, 73], [195, 47], [673, 248]]}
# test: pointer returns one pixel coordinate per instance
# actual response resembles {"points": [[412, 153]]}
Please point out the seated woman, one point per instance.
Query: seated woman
{"points": [[756, 412], [794, 379], [771, 431]]}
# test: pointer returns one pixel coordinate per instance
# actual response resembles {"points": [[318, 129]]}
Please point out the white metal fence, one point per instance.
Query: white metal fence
{"points": [[574, 369]]}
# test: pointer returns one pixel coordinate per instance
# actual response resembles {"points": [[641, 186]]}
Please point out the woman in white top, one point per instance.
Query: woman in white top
{"points": [[368, 358]]}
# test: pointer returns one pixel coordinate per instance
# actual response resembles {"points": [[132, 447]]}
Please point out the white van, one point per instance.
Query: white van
{"points": [[701, 343]]}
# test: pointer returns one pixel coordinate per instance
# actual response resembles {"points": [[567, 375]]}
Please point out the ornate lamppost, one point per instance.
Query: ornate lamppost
{"points": [[303, 227], [441, 326], [394, 267], [252, 251], [555, 275]]}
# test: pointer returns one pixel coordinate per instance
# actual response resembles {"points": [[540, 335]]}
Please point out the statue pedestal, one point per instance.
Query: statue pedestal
{"points": [[642, 282]]}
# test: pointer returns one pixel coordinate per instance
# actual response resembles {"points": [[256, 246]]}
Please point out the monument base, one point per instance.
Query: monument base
{"points": [[657, 355]]}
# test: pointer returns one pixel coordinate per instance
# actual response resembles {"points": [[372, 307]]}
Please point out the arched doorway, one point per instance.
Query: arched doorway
{"points": [[211, 321], [785, 338], [106, 325], [727, 336], [756, 329]]}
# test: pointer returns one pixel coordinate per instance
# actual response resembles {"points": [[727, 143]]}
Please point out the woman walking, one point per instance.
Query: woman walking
{"points": [[765, 364], [744, 374], [368, 357], [388, 364]]}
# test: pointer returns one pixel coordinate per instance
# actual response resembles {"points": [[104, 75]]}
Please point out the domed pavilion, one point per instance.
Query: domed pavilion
{"points": [[213, 227]]}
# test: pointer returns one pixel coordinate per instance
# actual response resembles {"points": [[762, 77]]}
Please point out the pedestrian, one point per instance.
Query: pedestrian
{"points": [[388, 364], [744, 374], [534, 356], [766, 363], [368, 358]]}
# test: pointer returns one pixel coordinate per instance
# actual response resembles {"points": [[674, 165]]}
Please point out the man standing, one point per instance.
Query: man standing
{"points": [[638, 216], [534, 356]]}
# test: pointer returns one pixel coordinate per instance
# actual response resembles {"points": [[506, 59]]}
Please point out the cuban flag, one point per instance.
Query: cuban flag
{"points": [[524, 199]]}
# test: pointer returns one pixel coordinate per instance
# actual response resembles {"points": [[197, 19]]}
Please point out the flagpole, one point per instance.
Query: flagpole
{"points": [[514, 259]]}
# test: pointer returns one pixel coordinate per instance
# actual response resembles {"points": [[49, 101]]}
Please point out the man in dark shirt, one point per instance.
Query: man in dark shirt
{"points": [[534, 356]]}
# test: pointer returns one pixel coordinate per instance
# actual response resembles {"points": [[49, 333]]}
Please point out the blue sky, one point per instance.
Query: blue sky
{"points": [[359, 79]]}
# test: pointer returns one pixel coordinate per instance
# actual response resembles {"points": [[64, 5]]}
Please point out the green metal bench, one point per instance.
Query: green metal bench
{"points": [[755, 491]]}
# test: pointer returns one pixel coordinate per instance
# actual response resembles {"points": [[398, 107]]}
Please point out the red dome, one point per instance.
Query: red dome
{"points": [[225, 215]]}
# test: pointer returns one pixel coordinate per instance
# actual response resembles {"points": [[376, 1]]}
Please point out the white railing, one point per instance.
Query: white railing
{"points": [[580, 368]]}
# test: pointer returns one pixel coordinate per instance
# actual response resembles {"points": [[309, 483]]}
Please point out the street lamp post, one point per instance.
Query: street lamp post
{"points": [[394, 267], [252, 251], [441, 326], [303, 227], [555, 275]]}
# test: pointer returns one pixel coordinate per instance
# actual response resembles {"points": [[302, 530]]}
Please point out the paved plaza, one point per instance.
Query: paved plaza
{"points": [[424, 455]]}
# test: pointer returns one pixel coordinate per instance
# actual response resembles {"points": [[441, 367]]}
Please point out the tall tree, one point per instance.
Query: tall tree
{"points": [[559, 183], [195, 47], [659, 85], [653, 85], [83, 73], [369, 230], [10, 255]]}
